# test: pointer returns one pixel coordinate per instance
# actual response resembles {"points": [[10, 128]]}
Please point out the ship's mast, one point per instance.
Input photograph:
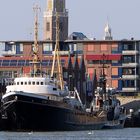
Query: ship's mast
{"points": [[56, 57], [36, 47]]}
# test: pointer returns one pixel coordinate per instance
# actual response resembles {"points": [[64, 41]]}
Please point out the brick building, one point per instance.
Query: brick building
{"points": [[121, 58]]}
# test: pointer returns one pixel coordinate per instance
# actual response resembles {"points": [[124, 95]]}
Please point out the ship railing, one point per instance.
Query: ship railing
{"points": [[32, 75]]}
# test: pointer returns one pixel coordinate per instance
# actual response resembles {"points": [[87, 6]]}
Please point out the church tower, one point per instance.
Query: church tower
{"points": [[49, 27], [108, 35]]}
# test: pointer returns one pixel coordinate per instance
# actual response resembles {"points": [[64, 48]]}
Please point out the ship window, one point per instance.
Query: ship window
{"points": [[41, 83], [21, 83], [54, 88], [29, 83], [33, 83], [37, 83]]}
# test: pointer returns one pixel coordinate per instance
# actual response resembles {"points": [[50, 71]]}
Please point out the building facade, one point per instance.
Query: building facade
{"points": [[121, 60], [49, 28]]}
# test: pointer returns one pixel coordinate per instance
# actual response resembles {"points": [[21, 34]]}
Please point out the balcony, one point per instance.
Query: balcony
{"points": [[130, 52], [130, 77], [130, 64], [129, 89], [8, 53]]}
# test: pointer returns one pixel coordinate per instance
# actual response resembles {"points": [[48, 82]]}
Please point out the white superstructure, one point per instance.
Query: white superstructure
{"points": [[36, 85]]}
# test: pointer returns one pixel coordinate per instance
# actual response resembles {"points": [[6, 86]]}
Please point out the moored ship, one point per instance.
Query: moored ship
{"points": [[44, 103]]}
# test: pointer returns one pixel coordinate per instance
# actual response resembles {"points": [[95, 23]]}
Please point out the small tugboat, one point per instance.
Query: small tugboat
{"points": [[39, 103]]}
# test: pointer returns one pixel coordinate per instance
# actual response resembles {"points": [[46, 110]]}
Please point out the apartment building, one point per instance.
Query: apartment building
{"points": [[120, 58]]}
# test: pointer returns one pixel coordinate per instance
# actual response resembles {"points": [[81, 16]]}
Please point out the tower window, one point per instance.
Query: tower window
{"points": [[48, 26]]}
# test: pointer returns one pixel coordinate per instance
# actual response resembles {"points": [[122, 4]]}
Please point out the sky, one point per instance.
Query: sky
{"points": [[86, 16]]}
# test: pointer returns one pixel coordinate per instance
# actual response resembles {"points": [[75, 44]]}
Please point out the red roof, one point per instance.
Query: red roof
{"points": [[105, 57]]}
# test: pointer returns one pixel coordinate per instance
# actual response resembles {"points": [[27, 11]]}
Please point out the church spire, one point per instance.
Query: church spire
{"points": [[107, 31]]}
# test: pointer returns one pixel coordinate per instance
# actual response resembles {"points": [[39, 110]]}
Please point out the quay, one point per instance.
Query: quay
{"points": [[132, 106]]}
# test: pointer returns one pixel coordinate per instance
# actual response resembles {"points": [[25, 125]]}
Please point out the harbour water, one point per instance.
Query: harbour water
{"points": [[118, 134]]}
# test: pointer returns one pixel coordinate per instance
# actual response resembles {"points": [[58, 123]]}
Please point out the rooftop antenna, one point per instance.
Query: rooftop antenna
{"points": [[36, 9]]}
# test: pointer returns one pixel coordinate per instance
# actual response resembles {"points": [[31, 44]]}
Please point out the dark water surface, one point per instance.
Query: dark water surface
{"points": [[118, 134]]}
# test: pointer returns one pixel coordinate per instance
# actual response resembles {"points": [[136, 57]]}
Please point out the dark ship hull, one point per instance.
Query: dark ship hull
{"points": [[23, 113]]}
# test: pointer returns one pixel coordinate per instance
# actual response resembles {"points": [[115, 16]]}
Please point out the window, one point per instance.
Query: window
{"points": [[115, 61], [5, 63], [8, 47], [125, 47], [17, 83], [114, 83], [128, 71], [41, 83], [33, 83], [47, 48], [48, 26], [54, 88], [21, 83], [114, 48], [29, 83], [115, 71], [128, 46], [25, 83], [44, 62], [128, 83], [103, 47], [37, 83], [128, 59], [21, 62], [27, 63], [13, 63], [90, 47], [93, 61], [19, 48]]}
